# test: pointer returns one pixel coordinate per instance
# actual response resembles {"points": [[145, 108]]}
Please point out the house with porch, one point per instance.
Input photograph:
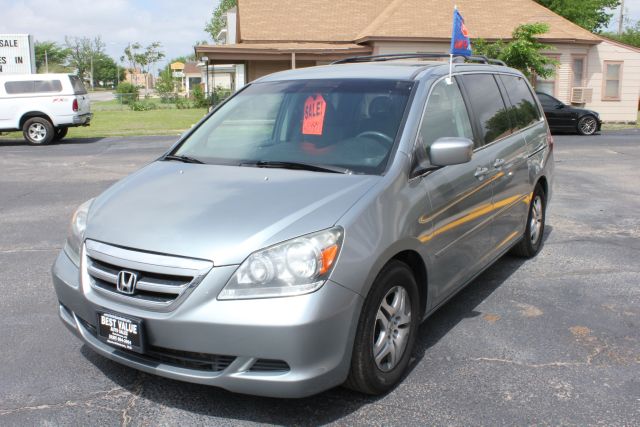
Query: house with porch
{"points": [[265, 37]]}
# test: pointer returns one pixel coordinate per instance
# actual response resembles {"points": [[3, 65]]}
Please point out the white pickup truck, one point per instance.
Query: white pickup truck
{"points": [[43, 106]]}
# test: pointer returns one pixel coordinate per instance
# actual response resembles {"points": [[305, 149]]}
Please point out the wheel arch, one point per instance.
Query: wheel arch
{"points": [[419, 269], [542, 180], [31, 114]]}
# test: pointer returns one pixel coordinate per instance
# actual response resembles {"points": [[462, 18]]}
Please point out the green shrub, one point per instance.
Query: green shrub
{"points": [[127, 93], [183, 104], [199, 100], [142, 106]]}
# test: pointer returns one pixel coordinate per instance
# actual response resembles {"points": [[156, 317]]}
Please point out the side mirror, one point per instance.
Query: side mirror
{"points": [[451, 151], [559, 106]]}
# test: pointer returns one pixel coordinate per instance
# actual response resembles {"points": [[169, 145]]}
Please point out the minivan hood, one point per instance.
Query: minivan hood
{"points": [[219, 213]]}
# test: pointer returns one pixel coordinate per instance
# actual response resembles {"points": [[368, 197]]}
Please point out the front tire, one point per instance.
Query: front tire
{"points": [[587, 125], [386, 331], [531, 241], [38, 131]]}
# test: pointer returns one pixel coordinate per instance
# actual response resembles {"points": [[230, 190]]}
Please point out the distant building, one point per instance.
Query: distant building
{"points": [[264, 37], [139, 78]]}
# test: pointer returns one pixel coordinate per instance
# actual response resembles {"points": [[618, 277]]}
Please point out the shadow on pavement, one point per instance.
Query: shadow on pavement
{"points": [[70, 141], [324, 408]]}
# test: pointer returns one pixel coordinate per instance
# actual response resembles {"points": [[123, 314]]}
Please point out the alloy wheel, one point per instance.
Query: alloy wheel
{"points": [[37, 132], [588, 125], [535, 225], [391, 329]]}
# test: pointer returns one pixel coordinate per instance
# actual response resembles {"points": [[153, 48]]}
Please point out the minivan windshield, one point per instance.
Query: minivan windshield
{"points": [[346, 124]]}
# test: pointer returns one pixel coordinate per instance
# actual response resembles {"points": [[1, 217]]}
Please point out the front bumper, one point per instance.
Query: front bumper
{"points": [[312, 333]]}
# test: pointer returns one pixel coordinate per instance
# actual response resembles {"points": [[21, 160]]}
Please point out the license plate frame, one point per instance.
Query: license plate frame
{"points": [[121, 331]]}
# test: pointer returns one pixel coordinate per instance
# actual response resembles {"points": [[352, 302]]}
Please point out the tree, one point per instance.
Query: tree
{"points": [[82, 52], [50, 57], [131, 54], [630, 36], [218, 20], [523, 52], [105, 70], [165, 85], [589, 14], [142, 59]]}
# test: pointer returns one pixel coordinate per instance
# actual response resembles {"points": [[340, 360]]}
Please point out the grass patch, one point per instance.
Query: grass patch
{"points": [[125, 122], [619, 126]]}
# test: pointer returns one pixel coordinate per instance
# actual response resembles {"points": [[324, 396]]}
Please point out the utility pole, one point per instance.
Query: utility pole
{"points": [[621, 21], [91, 70], [46, 62]]}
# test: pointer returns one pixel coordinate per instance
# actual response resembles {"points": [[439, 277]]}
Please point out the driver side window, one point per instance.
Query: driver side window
{"points": [[445, 116]]}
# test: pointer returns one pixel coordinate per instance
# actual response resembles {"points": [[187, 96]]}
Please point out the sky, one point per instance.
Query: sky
{"points": [[632, 13], [176, 24]]}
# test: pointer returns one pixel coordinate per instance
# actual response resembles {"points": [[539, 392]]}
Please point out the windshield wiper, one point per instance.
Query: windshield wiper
{"points": [[183, 159], [297, 165]]}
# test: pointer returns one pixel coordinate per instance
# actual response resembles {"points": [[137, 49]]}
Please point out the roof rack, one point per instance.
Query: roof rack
{"points": [[395, 56]]}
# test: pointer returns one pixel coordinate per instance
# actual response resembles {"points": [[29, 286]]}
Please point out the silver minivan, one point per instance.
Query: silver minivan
{"points": [[296, 237]]}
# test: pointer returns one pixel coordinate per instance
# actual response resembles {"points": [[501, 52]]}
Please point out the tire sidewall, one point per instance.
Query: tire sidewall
{"points": [[535, 248], [50, 135], [394, 274], [60, 133]]}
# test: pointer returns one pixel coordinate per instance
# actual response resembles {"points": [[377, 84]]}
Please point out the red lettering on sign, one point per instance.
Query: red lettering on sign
{"points": [[314, 108]]}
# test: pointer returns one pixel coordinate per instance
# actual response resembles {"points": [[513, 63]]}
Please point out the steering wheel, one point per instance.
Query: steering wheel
{"points": [[384, 138]]}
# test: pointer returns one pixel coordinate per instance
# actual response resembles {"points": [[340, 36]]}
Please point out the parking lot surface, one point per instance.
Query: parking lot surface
{"points": [[554, 340]]}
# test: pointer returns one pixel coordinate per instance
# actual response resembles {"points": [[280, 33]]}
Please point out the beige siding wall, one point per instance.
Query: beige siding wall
{"points": [[613, 111], [385, 48], [626, 109], [257, 69]]}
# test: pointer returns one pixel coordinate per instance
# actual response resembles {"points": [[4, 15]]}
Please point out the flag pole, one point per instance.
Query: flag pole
{"points": [[449, 80]]}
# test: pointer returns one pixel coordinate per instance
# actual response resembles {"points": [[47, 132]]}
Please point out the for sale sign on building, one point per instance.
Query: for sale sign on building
{"points": [[16, 54]]}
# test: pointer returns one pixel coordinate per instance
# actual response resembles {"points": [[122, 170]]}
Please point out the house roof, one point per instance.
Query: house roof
{"points": [[358, 21], [229, 53], [191, 68]]}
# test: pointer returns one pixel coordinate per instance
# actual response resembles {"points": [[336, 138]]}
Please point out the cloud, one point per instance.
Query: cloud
{"points": [[177, 25]]}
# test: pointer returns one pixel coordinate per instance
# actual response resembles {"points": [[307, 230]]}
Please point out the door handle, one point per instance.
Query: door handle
{"points": [[498, 163], [481, 172]]}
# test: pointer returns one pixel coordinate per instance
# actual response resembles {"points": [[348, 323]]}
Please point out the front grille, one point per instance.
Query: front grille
{"points": [[183, 359], [268, 365], [161, 279]]}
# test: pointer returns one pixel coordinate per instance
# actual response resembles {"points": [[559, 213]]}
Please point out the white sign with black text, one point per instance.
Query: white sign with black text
{"points": [[17, 54]]}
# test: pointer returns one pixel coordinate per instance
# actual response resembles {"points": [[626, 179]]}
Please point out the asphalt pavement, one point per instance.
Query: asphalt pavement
{"points": [[553, 340]]}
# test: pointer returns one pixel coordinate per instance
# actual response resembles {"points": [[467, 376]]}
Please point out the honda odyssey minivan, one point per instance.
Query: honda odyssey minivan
{"points": [[295, 239]]}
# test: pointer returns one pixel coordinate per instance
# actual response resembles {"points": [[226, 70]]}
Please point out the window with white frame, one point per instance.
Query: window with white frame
{"points": [[579, 70], [548, 85], [611, 80]]}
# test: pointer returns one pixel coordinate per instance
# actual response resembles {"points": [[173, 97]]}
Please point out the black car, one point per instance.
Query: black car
{"points": [[565, 118]]}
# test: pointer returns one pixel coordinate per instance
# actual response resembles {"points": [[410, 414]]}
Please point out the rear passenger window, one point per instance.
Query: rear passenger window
{"points": [[14, 88], [47, 86], [523, 110], [488, 106], [445, 116], [32, 86]]}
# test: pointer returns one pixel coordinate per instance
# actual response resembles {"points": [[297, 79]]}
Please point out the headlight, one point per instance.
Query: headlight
{"points": [[296, 267], [76, 232]]}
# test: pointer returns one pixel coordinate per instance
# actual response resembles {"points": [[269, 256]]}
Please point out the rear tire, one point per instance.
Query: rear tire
{"points": [[386, 331], [60, 133], [38, 131], [531, 241], [587, 125]]}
